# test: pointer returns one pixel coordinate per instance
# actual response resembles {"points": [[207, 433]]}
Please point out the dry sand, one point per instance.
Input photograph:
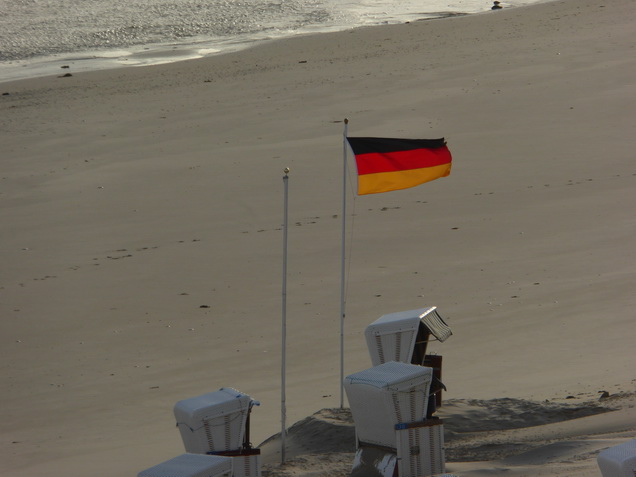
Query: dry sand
{"points": [[142, 246]]}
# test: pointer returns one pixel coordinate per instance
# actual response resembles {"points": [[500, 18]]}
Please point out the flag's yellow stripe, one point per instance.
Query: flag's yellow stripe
{"points": [[395, 180]]}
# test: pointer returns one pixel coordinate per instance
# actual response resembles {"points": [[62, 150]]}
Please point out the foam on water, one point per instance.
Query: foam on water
{"points": [[30, 28]]}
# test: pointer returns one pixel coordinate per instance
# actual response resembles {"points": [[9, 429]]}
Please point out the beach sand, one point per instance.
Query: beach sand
{"points": [[142, 213]]}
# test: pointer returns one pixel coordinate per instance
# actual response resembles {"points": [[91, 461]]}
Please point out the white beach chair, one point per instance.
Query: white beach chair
{"points": [[618, 461], [389, 407], [385, 396], [213, 422], [218, 423], [403, 336]]}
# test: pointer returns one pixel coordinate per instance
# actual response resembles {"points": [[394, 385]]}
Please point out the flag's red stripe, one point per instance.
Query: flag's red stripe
{"points": [[372, 163]]}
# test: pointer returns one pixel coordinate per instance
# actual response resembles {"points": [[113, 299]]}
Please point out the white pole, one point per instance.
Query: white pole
{"points": [[342, 264], [284, 320]]}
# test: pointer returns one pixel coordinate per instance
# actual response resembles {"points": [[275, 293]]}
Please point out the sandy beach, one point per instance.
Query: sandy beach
{"points": [[142, 213]]}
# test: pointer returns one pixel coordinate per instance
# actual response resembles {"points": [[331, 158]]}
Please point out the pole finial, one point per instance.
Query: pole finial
{"points": [[286, 170], [346, 120]]}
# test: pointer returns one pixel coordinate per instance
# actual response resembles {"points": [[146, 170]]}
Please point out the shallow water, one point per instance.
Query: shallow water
{"points": [[36, 33]]}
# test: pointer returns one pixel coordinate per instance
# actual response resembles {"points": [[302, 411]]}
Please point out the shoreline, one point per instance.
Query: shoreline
{"points": [[158, 54]]}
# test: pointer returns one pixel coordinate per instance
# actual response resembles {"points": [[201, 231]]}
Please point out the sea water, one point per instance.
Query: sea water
{"points": [[39, 35]]}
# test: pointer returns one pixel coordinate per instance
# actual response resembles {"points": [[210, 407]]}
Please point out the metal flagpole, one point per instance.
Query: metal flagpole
{"points": [[284, 320], [342, 265]]}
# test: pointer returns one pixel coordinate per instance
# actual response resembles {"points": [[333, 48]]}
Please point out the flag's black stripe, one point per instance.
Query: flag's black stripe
{"points": [[365, 145]]}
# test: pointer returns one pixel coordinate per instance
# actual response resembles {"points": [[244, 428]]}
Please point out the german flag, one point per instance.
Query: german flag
{"points": [[386, 164]]}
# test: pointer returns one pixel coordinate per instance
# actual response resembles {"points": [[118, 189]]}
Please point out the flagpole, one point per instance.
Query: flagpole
{"points": [[284, 318], [342, 264]]}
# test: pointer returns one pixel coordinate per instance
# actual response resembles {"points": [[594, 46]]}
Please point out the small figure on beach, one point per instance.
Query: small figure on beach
{"points": [[496, 6]]}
